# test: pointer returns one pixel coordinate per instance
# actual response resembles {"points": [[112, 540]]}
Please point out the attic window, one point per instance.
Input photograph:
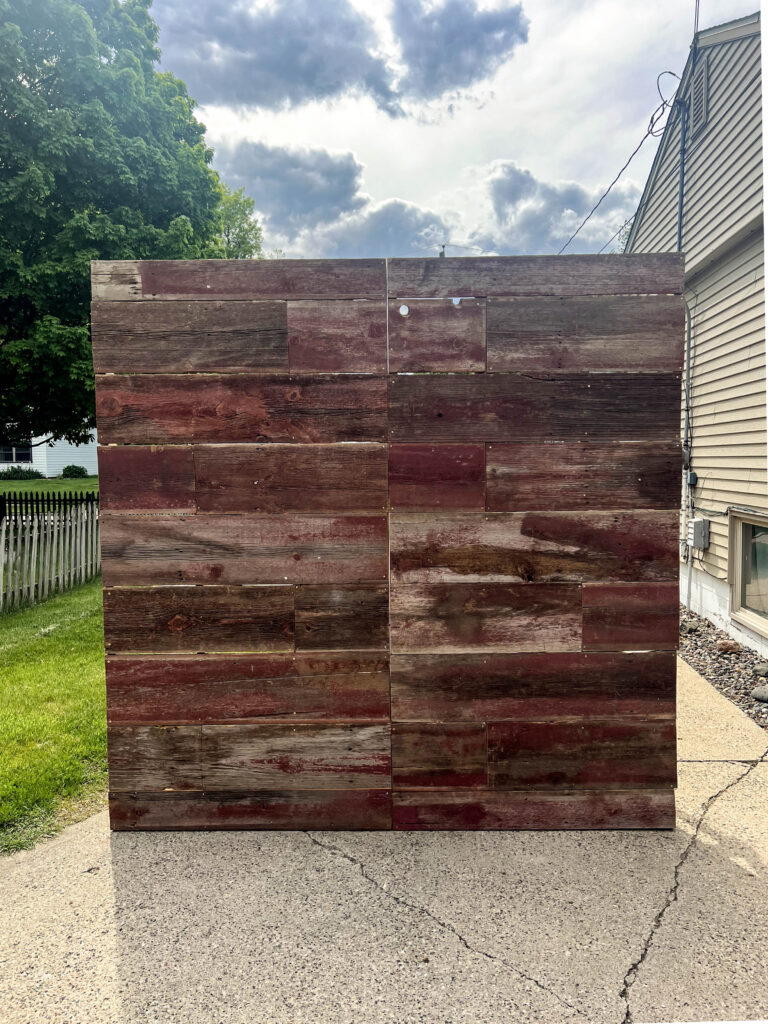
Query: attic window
{"points": [[699, 99]]}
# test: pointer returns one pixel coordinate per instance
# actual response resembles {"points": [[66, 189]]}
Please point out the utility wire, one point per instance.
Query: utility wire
{"points": [[616, 233]]}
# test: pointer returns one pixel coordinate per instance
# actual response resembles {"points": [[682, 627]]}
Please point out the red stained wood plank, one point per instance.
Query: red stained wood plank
{"points": [[571, 475], [154, 757], [167, 619], [184, 337], [597, 753], [350, 809], [486, 687], [345, 337], [586, 809], [146, 478], [342, 618], [302, 756], [291, 478], [428, 476], [536, 275], [160, 408], [534, 547], [177, 549], [631, 616], [485, 616], [230, 689], [515, 407], [586, 332], [437, 334], [262, 279], [450, 755]]}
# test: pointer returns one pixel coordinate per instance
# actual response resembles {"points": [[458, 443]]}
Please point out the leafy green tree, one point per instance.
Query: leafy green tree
{"points": [[101, 157], [239, 231]]}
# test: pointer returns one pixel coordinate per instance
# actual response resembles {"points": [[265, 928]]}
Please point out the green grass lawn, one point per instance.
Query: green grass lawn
{"points": [[88, 483], [52, 715]]}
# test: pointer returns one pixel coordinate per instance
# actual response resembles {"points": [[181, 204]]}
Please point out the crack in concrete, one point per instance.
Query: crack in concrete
{"points": [[446, 925], [631, 976]]}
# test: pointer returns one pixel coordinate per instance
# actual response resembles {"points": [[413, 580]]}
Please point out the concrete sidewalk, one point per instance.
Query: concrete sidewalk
{"points": [[440, 928]]}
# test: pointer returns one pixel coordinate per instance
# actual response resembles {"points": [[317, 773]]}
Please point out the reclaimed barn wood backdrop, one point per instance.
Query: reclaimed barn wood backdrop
{"points": [[390, 544]]}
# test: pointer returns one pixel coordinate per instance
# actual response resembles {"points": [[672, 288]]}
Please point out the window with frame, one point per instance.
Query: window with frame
{"points": [[15, 453], [748, 556]]}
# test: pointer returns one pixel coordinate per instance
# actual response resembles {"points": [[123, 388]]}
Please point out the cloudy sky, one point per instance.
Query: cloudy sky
{"points": [[390, 127]]}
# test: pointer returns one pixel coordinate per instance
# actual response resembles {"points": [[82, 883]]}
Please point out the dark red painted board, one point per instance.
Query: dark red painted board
{"points": [[531, 809], [445, 754], [344, 809], [291, 478], [437, 334], [248, 549], [146, 478], [211, 688], [631, 616], [330, 618], [572, 475], [184, 408], [337, 336], [589, 753], [486, 687], [434, 476]]}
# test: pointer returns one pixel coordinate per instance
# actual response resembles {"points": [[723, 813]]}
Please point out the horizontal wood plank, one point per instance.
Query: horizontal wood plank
{"points": [[115, 279], [144, 478], [337, 336], [342, 618], [531, 809], [437, 617], [487, 687], [589, 753], [437, 334], [176, 549], [450, 755], [345, 809], [291, 478], [198, 619], [516, 407], [168, 408], [536, 275], [631, 616], [230, 688], [154, 757], [572, 475], [534, 547], [428, 476], [586, 332]]}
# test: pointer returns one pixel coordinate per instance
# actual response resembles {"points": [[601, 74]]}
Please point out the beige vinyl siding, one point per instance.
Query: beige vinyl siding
{"points": [[728, 390]]}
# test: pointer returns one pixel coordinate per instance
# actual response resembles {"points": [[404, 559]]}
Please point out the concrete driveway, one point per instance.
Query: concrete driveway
{"points": [[352, 928]]}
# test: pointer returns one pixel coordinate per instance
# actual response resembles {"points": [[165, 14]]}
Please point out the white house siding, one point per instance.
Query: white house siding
{"points": [[49, 459]]}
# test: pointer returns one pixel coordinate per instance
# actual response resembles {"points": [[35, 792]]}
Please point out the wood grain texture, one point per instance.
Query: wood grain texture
{"points": [[529, 809], [589, 753], [428, 476], [486, 687], [302, 756], [342, 618], [450, 755], [185, 337], [154, 757], [176, 549], [536, 275], [437, 334], [631, 616], [437, 617], [196, 689], [515, 407], [198, 619], [534, 547], [291, 478], [263, 279], [573, 475], [168, 408], [337, 336], [115, 279], [345, 809], [145, 478], [586, 332]]}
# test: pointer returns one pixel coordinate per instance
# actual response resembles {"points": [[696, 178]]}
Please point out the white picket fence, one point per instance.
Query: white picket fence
{"points": [[48, 544]]}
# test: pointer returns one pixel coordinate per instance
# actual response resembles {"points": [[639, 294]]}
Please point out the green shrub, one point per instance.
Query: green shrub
{"points": [[74, 472], [20, 473]]}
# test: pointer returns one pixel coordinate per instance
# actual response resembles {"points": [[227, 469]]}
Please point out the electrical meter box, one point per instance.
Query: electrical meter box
{"points": [[698, 533]]}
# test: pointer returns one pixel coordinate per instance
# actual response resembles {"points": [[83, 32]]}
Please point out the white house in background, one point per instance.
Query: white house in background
{"points": [[50, 458], [704, 197]]}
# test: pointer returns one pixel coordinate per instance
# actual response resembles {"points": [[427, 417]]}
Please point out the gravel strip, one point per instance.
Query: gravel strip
{"points": [[732, 674]]}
